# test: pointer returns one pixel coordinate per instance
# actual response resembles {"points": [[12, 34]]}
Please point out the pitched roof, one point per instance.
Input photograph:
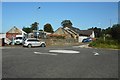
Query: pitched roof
{"points": [[59, 31], [23, 31], [73, 30], [85, 32], [77, 30], [14, 30]]}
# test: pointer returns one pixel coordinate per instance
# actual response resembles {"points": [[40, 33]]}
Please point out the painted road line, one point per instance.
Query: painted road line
{"points": [[82, 46], [96, 54], [64, 51], [45, 53]]}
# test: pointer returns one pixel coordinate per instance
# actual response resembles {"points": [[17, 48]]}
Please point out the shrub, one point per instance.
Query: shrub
{"points": [[108, 43]]}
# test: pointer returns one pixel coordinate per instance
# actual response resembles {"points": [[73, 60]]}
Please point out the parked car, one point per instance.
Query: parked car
{"points": [[87, 40], [33, 42]]}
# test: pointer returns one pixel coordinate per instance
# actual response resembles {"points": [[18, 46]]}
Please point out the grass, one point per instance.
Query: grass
{"points": [[108, 43]]}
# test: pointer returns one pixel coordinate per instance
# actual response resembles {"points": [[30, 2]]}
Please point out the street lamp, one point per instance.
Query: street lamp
{"points": [[37, 33], [37, 26]]}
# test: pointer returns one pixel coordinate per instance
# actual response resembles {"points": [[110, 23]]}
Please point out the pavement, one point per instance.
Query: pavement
{"points": [[82, 46], [20, 46], [59, 62]]}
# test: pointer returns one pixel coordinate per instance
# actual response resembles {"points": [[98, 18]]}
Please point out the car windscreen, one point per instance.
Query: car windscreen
{"points": [[18, 38]]}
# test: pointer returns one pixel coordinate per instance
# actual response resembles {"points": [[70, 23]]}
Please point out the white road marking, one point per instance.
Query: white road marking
{"points": [[52, 52], [64, 51], [96, 54], [45, 53], [82, 46]]}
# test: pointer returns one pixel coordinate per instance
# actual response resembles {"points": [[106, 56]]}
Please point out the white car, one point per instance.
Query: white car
{"points": [[33, 42]]}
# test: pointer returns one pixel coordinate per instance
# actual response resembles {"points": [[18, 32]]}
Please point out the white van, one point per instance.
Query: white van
{"points": [[19, 39]]}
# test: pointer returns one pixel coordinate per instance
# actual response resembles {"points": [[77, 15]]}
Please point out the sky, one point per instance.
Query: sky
{"points": [[59, 0], [83, 15]]}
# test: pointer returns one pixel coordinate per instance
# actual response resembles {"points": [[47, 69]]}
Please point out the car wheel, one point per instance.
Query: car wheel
{"points": [[42, 45], [29, 45]]}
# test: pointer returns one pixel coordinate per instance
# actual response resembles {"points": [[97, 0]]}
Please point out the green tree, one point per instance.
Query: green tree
{"points": [[48, 28], [26, 29], [34, 26], [66, 23], [115, 31], [108, 30]]}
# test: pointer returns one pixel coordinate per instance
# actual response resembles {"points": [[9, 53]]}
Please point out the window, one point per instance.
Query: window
{"points": [[33, 40]]}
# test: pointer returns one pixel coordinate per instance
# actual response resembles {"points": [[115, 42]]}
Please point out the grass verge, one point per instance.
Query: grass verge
{"points": [[108, 43]]}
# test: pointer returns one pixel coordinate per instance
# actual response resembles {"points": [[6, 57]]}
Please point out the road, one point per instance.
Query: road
{"points": [[68, 62]]}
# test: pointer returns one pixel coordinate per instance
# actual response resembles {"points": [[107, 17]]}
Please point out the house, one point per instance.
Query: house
{"points": [[85, 34], [30, 35], [40, 34], [75, 33], [62, 32], [13, 32]]}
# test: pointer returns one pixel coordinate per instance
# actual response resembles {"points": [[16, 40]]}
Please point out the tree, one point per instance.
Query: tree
{"points": [[115, 31], [34, 26], [26, 29], [108, 30], [66, 23], [48, 28]]}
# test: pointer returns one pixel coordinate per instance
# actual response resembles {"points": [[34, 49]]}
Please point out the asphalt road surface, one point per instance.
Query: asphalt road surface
{"points": [[55, 62]]}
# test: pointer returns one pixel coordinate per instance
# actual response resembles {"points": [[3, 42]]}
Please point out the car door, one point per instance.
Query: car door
{"points": [[37, 43], [33, 42]]}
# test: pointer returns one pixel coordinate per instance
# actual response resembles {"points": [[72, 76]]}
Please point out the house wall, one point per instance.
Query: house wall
{"points": [[11, 35], [92, 35], [80, 39]]}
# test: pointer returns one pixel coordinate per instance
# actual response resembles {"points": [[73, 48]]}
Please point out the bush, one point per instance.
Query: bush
{"points": [[92, 44], [108, 43]]}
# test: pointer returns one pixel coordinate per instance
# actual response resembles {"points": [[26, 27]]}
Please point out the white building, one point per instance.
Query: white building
{"points": [[85, 34]]}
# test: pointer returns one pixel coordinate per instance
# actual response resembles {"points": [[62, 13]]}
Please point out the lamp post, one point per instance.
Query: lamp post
{"points": [[37, 32], [104, 37], [38, 23]]}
